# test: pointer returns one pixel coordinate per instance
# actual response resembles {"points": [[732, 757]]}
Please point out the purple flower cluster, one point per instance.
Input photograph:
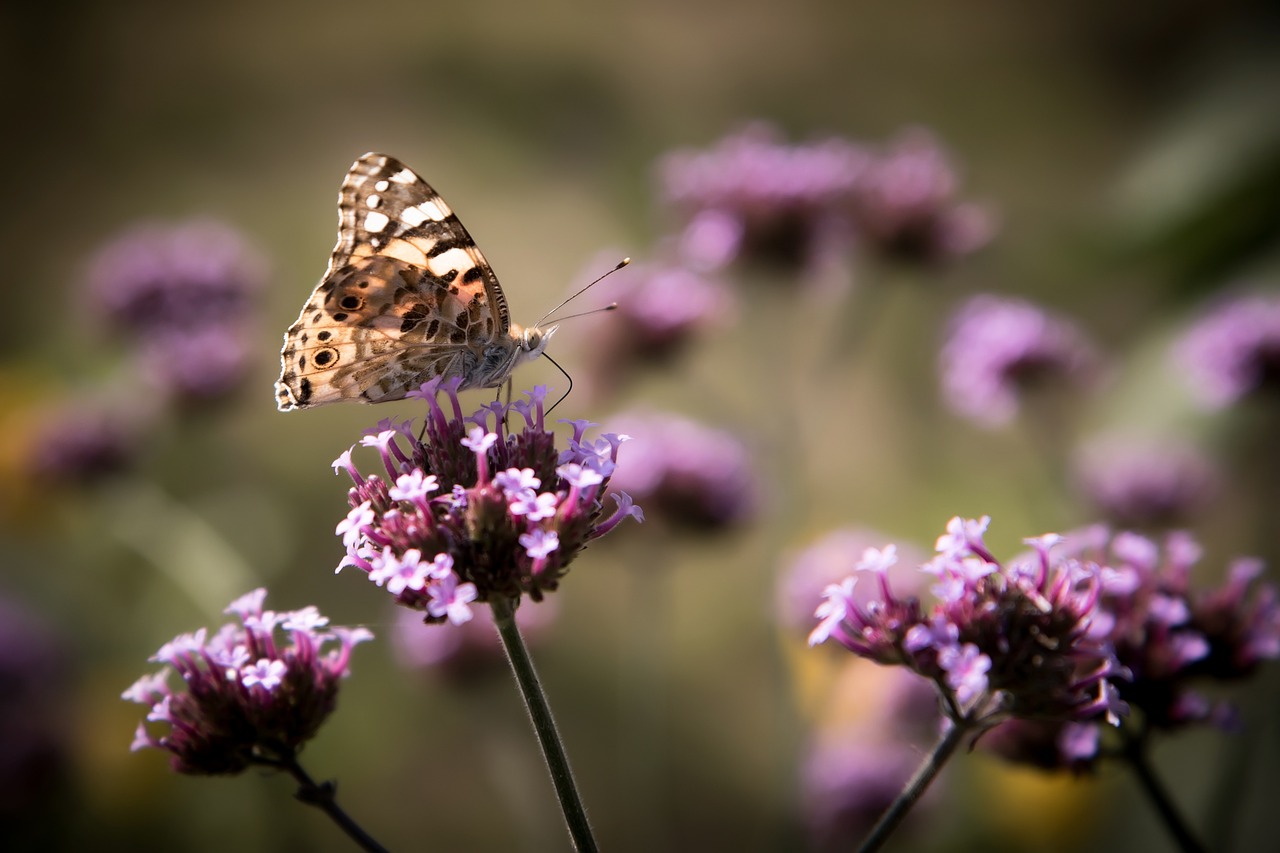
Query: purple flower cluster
{"points": [[754, 195], [1015, 641], [81, 442], [662, 308], [476, 511], [1167, 635], [184, 296], [1234, 350], [998, 348], [1144, 483], [693, 476], [250, 699]]}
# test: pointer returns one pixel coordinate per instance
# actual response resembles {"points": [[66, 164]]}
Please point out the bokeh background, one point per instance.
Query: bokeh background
{"points": [[1130, 154]]}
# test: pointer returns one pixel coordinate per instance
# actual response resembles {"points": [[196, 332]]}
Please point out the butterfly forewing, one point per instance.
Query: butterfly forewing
{"points": [[407, 296]]}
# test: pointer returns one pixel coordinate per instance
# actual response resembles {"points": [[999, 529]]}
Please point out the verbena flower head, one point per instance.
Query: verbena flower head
{"points": [[753, 195], [691, 475], [1169, 637], [255, 692], [1233, 350], [1002, 641], [184, 295], [1137, 482], [82, 442], [662, 308], [477, 509], [998, 348], [905, 204], [807, 573]]}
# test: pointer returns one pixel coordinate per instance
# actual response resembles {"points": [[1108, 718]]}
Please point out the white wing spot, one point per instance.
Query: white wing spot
{"points": [[404, 176], [454, 259], [381, 186], [413, 217], [373, 201], [435, 209], [376, 221]]}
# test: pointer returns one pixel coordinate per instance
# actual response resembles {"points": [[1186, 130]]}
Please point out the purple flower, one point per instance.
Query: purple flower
{"points": [[662, 309], [998, 348], [691, 475], [905, 205], [1008, 643], [467, 649], [477, 508], [827, 561], [1169, 637], [82, 442], [1144, 483], [1233, 350], [185, 296], [755, 196], [250, 698]]}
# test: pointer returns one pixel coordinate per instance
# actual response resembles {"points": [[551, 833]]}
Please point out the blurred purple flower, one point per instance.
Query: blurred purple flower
{"points": [[906, 208], [249, 699], [999, 348], [807, 573], [1011, 641], [474, 511], [34, 748], [463, 650], [848, 780], [662, 308], [1142, 483], [1233, 350], [754, 196], [82, 442], [184, 295], [693, 476]]}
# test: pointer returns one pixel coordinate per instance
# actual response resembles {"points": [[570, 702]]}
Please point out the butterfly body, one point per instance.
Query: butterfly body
{"points": [[407, 297]]}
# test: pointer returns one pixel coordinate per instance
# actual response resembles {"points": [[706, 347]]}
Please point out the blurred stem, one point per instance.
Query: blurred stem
{"points": [[324, 797], [575, 815], [1135, 752], [915, 787]]}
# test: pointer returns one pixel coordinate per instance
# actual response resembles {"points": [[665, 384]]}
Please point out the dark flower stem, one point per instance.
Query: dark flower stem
{"points": [[575, 815], [1136, 753], [323, 797], [915, 788]]}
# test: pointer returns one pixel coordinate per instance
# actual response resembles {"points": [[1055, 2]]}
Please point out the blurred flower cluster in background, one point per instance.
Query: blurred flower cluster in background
{"points": [[892, 264]]}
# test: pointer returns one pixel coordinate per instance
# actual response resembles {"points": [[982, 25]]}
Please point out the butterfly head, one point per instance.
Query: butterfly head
{"points": [[533, 340]]}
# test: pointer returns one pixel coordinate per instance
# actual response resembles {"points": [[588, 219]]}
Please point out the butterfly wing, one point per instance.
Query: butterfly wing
{"points": [[407, 296]]}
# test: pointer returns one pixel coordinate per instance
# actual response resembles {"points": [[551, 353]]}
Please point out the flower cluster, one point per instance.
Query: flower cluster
{"points": [[754, 195], [1234, 350], [82, 441], [475, 510], [694, 476], [250, 699], [183, 294], [1145, 483], [1015, 641], [1167, 635], [998, 348], [662, 308]]}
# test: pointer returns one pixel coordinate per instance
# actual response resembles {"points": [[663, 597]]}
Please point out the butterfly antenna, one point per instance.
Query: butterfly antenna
{"points": [[612, 306], [566, 376], [620, 265]]}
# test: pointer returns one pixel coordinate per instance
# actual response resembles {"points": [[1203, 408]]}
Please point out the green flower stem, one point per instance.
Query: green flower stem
{"points": [[915, 788], [324, 797], [1136, 753], [575, 815]]}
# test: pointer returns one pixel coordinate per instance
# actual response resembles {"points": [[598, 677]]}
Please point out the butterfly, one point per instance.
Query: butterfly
{"points": [[407, 297]]}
